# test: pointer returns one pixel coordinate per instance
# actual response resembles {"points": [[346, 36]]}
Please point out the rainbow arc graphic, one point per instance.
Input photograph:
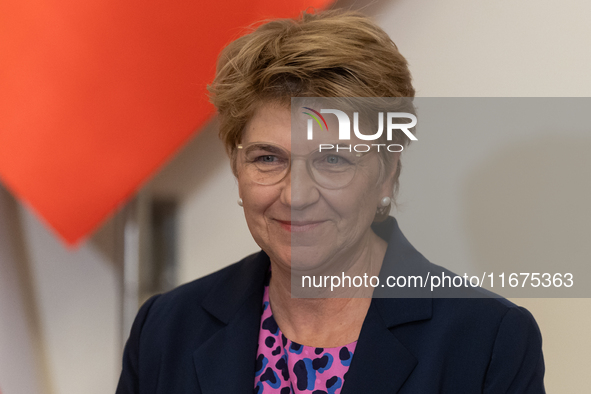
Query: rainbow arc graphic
{"points": [[315, 117]]}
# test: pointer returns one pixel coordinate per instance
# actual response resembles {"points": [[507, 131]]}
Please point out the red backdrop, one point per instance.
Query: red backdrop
{"points": [[96, 95]]}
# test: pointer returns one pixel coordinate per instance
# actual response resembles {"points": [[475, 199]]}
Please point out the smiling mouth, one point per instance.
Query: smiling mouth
{"points": [[299, 226]]}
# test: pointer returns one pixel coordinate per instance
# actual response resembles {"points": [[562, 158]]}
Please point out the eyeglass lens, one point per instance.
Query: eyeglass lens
{"points": [[267, 164]]}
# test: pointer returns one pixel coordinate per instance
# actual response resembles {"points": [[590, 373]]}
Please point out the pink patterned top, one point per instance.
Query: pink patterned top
{"points": [[286, 367]]}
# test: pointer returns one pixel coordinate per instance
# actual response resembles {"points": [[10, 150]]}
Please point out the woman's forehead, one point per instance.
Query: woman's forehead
{"points": [[269, 123], [272, 122]]}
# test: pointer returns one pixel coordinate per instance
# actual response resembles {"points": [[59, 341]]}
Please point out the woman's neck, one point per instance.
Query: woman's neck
{"points": [[326, 322]]}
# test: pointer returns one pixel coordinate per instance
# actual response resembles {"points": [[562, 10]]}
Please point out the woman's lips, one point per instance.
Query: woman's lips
{"points": [[300, 226]]}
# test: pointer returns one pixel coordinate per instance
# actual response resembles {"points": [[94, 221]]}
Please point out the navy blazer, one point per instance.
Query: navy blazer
{"points": [[202, 337]]}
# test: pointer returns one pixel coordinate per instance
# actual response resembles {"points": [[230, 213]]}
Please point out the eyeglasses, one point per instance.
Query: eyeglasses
{"points": [[267, 164]]}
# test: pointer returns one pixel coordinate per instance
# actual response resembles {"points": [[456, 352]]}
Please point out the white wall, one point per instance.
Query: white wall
{"points": [[21, 349], [59, 308], [212, 229], [529, 48]]}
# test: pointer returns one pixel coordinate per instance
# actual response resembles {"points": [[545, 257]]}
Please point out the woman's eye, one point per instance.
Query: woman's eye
{"points": [[332, 159], [267, 158], [336, 160]]}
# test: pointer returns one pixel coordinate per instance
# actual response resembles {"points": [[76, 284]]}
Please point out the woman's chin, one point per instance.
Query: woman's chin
{"points": [[302, 260], [311, 260]]}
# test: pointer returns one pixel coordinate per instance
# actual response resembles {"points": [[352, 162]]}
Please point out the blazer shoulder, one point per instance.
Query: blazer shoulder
{"points": [[196, 291], [169, 327], [482, 305]]}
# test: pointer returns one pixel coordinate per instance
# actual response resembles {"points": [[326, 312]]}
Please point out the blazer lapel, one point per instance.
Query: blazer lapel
{"points": [[225, 363], [381, 363]]}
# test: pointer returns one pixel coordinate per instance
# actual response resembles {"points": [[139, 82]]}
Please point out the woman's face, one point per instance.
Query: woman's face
{"points": [[297, 222]]}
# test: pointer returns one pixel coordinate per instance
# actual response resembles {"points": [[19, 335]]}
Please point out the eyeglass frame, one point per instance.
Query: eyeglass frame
{"points": [[242, 147]]}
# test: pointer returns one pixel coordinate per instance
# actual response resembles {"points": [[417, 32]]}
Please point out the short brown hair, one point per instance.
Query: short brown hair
{"points": [[326, 54]]}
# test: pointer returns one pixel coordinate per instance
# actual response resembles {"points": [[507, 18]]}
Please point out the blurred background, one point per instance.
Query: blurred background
{"points": [[65, 312]]}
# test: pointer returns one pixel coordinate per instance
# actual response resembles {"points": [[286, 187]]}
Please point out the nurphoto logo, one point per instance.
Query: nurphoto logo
{"points": [[392, 125]]}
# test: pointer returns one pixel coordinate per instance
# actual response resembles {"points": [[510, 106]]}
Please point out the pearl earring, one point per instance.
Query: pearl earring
{"points": [[385, 201], [240, 202]]}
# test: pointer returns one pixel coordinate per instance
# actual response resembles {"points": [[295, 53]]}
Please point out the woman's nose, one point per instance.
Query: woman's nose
{"points": [[300, 190]]}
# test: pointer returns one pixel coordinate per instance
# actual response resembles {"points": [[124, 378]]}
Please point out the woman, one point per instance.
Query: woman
{"points": [[311, 213]]}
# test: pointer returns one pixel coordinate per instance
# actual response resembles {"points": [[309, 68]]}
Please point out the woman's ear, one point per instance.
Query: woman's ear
{"points": [[390, 176], [239, 201], [386, 190]]}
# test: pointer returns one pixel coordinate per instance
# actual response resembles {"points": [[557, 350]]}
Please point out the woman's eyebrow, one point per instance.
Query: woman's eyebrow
{"points": [[269, 148]]}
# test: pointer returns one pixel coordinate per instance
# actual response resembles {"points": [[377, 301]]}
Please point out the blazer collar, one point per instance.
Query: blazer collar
{"points": [[225, 363], [401, 258], [229, 294], [381, 363]]}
